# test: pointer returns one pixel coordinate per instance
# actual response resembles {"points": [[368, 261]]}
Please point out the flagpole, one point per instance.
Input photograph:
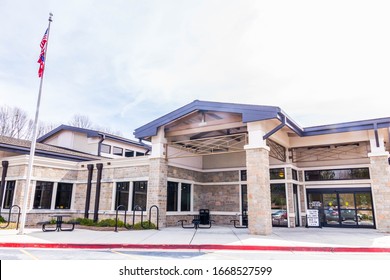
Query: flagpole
{"points": [[34, 141]]}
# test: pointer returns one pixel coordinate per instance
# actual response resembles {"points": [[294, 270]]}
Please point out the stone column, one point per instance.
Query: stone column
{"points": [[380, 185], [290, 198], [258, 182], [380, 181], [157, 184]]}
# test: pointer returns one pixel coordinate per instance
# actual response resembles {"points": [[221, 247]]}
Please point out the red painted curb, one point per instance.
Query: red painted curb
{"points": [[214, 247]]}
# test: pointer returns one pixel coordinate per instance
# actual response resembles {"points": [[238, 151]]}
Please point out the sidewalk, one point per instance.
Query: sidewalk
{"points": [[216, 238]]}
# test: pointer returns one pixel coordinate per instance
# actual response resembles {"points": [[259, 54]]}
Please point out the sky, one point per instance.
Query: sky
{"points": [[124, 63]]}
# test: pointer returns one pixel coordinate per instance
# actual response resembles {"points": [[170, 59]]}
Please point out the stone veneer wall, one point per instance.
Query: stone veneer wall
{"points": [[79, 178], [259, 195], [217, 191], [157, 188], [217, 198], [380, 176], [184, 174]]}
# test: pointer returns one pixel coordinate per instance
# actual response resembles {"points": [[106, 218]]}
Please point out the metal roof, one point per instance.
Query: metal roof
{"points": [[91, 133], [23, 147], [251, 113]]}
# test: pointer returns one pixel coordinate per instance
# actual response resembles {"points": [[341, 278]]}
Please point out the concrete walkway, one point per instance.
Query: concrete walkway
{"points": [[216, 238]]}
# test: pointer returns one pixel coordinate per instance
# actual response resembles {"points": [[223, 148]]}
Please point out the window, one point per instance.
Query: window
{"points": [[140, 189], [172, 196], [129, 153], [179, 196], [243, 175], [43, 195], [337, 174], [339, 207], [105, 148], [294, 175], [278, 205], [244, 197], [139, 154], [185, 197], [122, 195], [64, 196], [276, 173], [9, 194], [117, 151]]}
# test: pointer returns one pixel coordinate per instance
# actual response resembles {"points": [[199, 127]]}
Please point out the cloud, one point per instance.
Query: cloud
{"points": [[128, 62]]}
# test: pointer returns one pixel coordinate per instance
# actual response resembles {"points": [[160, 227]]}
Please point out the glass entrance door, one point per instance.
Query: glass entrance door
{"points": [[343, 207]]}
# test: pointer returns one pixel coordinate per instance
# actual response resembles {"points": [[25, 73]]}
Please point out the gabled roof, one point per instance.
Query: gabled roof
{"points": [[91, 133], [249, 113], [23, 147]]}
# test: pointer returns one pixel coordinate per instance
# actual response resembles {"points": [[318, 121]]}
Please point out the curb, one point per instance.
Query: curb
{"points": [[200, 247]]}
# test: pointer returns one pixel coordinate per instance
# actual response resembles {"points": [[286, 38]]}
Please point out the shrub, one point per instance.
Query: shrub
{"points": [[84, 221], [145, 225], [2, 220], [109, 223]]}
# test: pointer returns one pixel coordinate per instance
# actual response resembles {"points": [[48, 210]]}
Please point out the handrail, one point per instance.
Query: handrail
{"points": [[9, 216], [150, 214]]}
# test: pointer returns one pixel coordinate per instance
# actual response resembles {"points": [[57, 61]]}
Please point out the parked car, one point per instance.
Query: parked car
{"points": [[331, 215], [280, 214]]}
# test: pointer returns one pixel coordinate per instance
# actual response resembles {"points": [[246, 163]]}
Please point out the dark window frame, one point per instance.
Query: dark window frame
{"points": [[140, 195], [63, 194], [103, 146], [117, 151], [129, 153], [122, 192], [185, 202], [277, 173], [9, 193], [361, 173], [172, 196], [43, 190]]}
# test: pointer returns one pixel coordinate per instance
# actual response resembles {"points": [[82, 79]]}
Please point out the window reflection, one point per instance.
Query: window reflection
{"points": [[278, 205], [352, 208]]}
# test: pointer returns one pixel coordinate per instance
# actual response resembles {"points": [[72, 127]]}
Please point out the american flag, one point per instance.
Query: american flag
{"points": [[41, 59]]}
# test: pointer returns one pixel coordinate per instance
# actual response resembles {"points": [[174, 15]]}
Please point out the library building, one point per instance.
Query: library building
{"points": [[248, 166]]}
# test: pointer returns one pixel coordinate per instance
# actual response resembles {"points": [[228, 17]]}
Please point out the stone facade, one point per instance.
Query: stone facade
{"points": [[157, 188], [259, 195], [184, 174], [380, 176], [217, 198]]}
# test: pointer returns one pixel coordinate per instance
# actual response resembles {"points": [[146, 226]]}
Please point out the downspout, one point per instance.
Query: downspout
{"points": [[99, 167], [89, 188], [4, 163], [103, 137]]}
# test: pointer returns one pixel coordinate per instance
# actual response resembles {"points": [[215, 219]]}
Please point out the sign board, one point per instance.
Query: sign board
{"points": [[313, 218]]}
